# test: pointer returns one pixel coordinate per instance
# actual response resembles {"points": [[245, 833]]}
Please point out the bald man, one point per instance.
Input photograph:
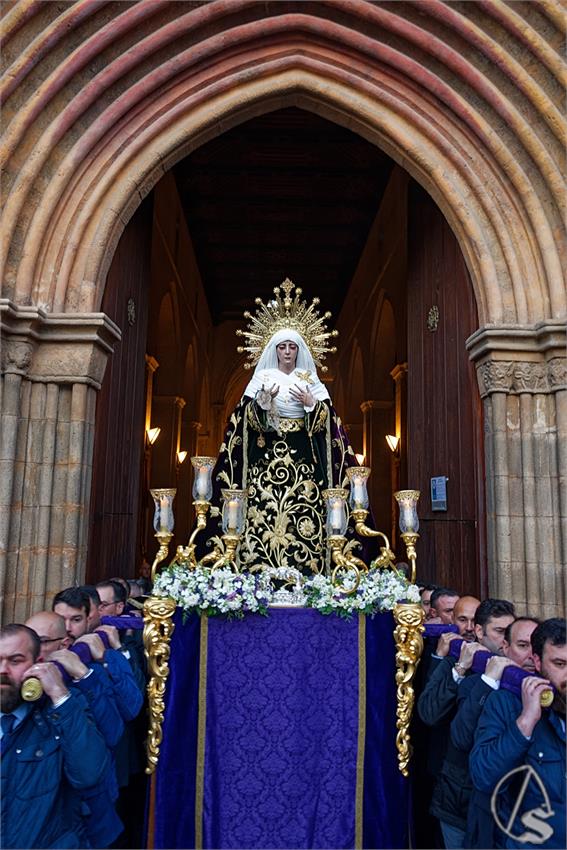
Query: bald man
{"points": [[50, 628]]}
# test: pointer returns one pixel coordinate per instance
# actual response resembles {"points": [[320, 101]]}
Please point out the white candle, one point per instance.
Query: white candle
{"points": [[358, 491], [202, 482], [164, 513], [232, 514], [336, 517]]}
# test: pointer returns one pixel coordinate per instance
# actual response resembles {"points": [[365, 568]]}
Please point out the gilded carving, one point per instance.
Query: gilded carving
{"points": [[158, 628], [409, 646]]}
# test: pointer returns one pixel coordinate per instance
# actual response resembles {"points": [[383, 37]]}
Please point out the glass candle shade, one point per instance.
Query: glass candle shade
{"points": [[234, 511], [337, 519], [203, 483], [407, 501], [358, 495], [163, 512]]}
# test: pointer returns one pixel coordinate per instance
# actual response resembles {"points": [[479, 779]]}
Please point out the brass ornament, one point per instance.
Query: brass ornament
{"points": [[408, 638], [164, 538], [410, 538], [158, 628], [287, 313], [31, 689], [546, 698], [433, 318]]}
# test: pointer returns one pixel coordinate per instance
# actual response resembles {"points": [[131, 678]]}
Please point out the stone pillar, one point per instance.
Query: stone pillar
{"points": [[52, 367], [378, 421], [522, 374]]}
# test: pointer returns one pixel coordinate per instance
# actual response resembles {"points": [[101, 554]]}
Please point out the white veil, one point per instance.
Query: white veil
{"points": [[304, 363]]}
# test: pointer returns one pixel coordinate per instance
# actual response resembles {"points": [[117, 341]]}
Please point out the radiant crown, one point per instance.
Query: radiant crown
{"points": [[287, 313]]}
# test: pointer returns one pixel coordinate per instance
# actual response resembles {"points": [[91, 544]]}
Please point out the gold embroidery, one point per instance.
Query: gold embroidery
{"points": [[285, 525], [305, 376], [233, 440], [287, 425]]}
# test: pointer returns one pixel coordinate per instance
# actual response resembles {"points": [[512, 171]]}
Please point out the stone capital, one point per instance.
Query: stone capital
{"points": [[519, 359], [516, 377], [542, 341], [57, 348]]}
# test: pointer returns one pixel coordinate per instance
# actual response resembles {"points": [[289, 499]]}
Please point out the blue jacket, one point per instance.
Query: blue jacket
{"points": [[500, 747], [103, 826], [49, 759], [127, 693], [472, 695]]}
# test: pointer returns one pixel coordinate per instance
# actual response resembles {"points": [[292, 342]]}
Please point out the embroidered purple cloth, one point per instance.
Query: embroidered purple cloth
{"points": [[281, 732]]}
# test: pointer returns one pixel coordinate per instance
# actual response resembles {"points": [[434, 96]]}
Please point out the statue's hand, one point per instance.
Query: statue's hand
{"points": [[264, 397], [304, 397]]}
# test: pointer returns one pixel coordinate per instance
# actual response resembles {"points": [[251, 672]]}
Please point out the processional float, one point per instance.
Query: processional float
{"points": [[344, 568]]}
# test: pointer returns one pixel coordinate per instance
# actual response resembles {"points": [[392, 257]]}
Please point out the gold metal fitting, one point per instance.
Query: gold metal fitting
{"points": [[31, 689]]}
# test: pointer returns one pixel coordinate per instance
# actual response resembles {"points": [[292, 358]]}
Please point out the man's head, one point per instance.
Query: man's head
{"points": [[550, 656], [442, 604], [51, 631], [135, 589], [463, 616], [93, 620], [425, 594], [74, 605], [113, 597], [492, 618], [517, 644], [19, 649]]}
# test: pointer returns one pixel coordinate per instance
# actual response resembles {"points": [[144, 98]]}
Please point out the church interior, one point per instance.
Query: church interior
{"points": [[290, 194]]}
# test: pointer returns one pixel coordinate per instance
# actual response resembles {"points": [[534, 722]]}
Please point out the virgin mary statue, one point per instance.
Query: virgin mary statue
{"points": [[284, 443]]}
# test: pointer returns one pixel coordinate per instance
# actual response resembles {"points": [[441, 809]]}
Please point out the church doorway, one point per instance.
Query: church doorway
{"points": [[290, 194]]}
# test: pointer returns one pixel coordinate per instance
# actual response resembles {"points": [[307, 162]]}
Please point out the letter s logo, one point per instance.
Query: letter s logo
{"points": [[541, 831]]}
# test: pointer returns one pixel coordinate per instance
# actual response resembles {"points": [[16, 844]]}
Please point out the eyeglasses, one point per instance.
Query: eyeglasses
{"points": [[51, 640], [106, 604]]}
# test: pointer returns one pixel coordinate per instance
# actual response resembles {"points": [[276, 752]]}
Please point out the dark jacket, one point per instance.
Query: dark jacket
{"points": [[52, 756], [438, 707], [500, 747], [103, 826], [472, 695]]}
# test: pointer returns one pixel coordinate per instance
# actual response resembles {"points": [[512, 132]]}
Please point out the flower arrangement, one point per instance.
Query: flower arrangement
{"points": [[207, 593], [378, 590]]}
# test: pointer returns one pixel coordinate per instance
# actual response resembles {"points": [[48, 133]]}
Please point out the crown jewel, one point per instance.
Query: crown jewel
{"points": [[287, 313]]}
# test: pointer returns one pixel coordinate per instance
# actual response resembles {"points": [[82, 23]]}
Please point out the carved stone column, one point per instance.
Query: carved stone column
{"points": [[52, 367], [522, 374]]}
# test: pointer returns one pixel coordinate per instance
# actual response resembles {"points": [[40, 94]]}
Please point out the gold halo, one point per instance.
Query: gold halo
{"points": [[287, 313]]}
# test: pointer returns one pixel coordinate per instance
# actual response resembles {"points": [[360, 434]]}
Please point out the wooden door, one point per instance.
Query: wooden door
{"points": [[444, 408], [119, 430]]}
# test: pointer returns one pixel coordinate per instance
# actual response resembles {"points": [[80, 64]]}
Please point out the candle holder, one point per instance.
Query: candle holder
{"points": [[202, 495], [233, 522], [358, 476], [163, 523], [409, 524], [337, 521]]}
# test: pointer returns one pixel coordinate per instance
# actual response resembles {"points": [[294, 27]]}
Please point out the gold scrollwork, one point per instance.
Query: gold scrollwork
{"points": [[158, 628], [409, 646]]}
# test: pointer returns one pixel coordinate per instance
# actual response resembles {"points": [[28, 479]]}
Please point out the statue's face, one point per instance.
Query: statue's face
{"points": [[287, 354]]}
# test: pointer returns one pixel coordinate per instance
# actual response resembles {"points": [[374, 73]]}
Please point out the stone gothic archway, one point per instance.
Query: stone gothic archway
{"points": [[100, 101]]}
